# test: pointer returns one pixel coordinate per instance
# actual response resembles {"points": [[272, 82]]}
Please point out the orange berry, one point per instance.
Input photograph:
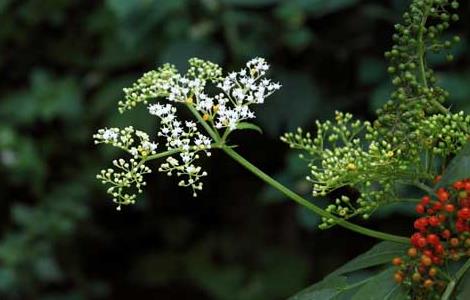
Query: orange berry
{"points": [[412, 252], [397, 261], [432, 272], [398, 277], [428, 283], [454, 242], [426, 260]]}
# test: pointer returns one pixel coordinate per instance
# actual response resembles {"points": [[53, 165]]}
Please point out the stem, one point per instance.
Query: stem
{"points": [[421, 61], [307, 204], [451, 286], [162, 154], [424, 187], [422, 50], [214, 135]]}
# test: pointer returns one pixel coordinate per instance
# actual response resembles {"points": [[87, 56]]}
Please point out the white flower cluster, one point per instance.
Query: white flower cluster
{"points": [[186, 140], [183, 142], [126, 140], [127, 176], [240, 90]]}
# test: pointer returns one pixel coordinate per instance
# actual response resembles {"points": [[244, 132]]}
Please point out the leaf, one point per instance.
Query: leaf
{"points": [[343, 284], [463, 288], [381, 253], [379, 287], [328, 288], [249, 126], [459, 167]]}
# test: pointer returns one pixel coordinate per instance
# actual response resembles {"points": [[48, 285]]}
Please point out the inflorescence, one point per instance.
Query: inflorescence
{"points": [[181, 142]]}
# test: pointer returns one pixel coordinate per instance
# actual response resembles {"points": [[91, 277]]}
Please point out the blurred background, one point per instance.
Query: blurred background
{"points": [[63, 64]]}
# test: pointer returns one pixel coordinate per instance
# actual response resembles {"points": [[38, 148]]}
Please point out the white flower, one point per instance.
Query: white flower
{"points": [[110, 135]]}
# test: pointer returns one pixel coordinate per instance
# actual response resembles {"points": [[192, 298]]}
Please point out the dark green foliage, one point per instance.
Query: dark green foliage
{"points": [[63, 65]]}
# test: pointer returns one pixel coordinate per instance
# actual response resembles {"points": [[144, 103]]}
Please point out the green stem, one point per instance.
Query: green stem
{"points": [[307, 204], [422, 50], [162, 154], [451, 286], [214, 135], [424, 187], [422, 60], [439, 106]]}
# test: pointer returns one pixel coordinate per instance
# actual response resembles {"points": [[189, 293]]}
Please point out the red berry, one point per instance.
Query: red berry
{"points": [[464, 213], [443, 195], [459, 185], [467, 186], [449, 208], [446, 233], [437, 206], [442, 218], [425, 200], [438, 248], [436, 260], [432, 239], [427, 253], [434, 221], [421, 242], [420, 208]]}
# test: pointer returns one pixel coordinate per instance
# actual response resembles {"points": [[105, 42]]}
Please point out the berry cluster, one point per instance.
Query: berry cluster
{"points": [[443, 234]]}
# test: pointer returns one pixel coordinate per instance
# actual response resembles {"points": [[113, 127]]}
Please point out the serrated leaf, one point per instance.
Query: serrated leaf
{"points": [[381, 253], [459, 167], [249, 126]]}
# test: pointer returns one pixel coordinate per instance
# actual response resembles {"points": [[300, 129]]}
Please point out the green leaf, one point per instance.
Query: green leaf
{"points": [[381, 253], [328, 288], [381, 287], [463, 288], [344, 284], [459, 167], [249, 126]]}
